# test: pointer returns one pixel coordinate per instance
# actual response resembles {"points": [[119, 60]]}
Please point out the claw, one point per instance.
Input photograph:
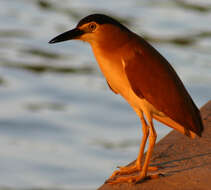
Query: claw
{"points": [[126, 179], [132, 179], [153, 168], [126, 170]]}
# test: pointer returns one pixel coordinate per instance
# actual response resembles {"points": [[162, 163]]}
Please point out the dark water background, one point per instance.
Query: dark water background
{"points": [[60, 126]]}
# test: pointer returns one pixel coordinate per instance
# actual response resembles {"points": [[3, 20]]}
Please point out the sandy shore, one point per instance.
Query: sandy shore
{"points": [[185, 162]]}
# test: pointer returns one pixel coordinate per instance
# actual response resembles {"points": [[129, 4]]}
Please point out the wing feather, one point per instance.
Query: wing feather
{"points": [[152, 77]]}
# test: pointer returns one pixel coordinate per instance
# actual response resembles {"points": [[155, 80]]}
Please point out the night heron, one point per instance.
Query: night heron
{"points": [[144, 78]]}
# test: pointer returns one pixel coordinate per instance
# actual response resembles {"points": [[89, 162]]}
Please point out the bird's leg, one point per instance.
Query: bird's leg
{"points": [[145, 130], [152, 140], [137, 166], [142, 173]]}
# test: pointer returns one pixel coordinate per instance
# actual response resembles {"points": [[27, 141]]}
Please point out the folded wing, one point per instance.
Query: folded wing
{"points": [[152, 77]]}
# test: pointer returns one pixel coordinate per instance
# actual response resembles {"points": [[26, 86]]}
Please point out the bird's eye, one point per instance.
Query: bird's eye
{"points": [[92, 26]]}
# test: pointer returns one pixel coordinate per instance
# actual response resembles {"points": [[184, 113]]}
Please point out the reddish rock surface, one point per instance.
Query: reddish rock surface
{"points": [[185, 162]]}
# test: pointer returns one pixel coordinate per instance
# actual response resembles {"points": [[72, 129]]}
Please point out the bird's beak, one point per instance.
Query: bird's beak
{"points": [[69, 35]]}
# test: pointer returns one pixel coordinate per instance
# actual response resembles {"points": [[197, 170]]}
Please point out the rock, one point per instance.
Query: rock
{"points": [[185, 162]]}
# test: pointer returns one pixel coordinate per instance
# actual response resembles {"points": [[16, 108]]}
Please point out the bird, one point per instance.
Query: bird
{"points": [[134, 69]]}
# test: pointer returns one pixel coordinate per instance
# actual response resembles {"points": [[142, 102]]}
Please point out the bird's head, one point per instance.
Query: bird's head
{"points": [[95, 28]]}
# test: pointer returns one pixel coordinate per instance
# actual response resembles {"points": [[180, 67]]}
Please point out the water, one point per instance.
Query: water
{"points": [[60, 125]]}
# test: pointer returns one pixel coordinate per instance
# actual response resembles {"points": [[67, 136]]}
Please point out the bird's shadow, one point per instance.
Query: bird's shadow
{"points": [[168, 165]]}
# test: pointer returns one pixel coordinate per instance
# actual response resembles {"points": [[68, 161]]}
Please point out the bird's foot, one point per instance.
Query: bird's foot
{"points": [[134, 168], [125, 170], [131, 179]]}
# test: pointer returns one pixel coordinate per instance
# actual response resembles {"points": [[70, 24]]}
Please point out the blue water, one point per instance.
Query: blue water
{"points": [[60, 125]]}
